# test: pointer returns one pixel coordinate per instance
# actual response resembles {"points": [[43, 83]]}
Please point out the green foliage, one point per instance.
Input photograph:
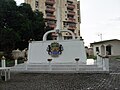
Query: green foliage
{"points": [[92, 57], [1, 54], [18, 24], [10, 63]]}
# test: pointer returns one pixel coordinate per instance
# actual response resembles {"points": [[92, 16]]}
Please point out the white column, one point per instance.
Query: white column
{"points": [[77, 64], [106, 64], [8, 73], [105, 50], [3, 61], [50, 68], [15, 61], [5, 75]]}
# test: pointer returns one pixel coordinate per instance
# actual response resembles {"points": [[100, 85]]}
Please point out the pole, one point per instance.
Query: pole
{"points": [[3, 61]]}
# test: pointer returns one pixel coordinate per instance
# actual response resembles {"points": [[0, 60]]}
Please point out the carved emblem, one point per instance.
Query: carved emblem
{"points": [[55, 49]]}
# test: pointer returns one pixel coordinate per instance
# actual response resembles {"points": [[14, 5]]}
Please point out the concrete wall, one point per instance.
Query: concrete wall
{"points": [[72, 49]]}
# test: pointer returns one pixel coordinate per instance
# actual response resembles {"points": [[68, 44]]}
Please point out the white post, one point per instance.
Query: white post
{"points": [[105, 51], [104, 67], [106, 64], [25, 65], [50, 65], [15, 61], [5, 75], [3, 61], [77, 64], [50, 68], [99, 61], [8, 73]]}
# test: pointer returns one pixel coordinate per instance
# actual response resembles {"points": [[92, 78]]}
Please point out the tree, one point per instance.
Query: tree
{"points": [[18, 24], [38, 25], [8, 37]]}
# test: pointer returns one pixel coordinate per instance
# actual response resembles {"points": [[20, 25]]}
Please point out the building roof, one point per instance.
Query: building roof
{"points": [[103, 41]]}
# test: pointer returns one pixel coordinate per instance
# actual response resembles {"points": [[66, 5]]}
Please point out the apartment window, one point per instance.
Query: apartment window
{"points": [[72, 24], [69, 16], [36, 4], [69, 2]]}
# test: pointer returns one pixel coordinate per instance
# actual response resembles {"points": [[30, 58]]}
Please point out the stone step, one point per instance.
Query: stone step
{"points": [[55, 68]]}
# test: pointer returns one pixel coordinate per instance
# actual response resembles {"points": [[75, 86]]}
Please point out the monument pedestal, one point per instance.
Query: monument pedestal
{"points": [[41, 51]]}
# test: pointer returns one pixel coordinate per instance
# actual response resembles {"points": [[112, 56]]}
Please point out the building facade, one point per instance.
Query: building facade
{"points": [[69, 13], [107, 47]]}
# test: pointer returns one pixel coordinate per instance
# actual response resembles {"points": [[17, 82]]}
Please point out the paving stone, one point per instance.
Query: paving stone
{"points": [[62, 81]]}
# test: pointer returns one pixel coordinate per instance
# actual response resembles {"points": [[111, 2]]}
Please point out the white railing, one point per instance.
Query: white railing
{"points": [[103, 61]]}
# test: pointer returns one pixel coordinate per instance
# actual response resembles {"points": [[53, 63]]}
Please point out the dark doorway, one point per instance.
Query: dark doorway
{"points": [[108, 50]]}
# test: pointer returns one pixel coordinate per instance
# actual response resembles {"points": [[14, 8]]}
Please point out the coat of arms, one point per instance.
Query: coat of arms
{"points": [[55, 49]]}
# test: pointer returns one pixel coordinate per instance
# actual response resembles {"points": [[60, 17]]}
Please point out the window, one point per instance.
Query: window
{"points": [[108, 50], [97, 49], [36, 4]]}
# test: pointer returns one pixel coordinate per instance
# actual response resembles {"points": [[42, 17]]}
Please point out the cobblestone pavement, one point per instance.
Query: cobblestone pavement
{"points": [[69, 81]]}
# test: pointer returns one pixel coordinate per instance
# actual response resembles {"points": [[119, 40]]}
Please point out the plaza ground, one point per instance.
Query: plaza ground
{"points": [[68, 81]]}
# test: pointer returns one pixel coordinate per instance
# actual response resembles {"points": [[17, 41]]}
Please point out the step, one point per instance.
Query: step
{"points": [[56, 68]]}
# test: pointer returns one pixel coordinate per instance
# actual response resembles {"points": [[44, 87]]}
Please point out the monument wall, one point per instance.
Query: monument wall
{"points": [[71, 49]]}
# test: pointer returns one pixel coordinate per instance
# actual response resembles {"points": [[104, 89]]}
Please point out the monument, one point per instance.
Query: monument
{"points": [[60, 55], [60, 50]]}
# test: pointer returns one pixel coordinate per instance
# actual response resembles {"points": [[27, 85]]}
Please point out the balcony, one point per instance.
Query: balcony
{"points": [[71, 13], [52, 25], [70, 6], [71, 20], [50, 17], [54, 34], [69, 1], [50, 2], [71, 27], [50, 9]]}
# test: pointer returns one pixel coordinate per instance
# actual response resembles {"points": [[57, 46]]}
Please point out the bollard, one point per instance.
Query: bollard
{"points": [[3, 61], [16, 62], [77, 65], [49, 60]]}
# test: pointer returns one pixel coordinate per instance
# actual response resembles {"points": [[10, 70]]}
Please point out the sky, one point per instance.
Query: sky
{"points": [[100, 20], [19, 1]]}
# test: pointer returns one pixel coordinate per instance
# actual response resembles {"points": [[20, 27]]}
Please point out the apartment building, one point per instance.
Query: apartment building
{"points": [[69, 14]]}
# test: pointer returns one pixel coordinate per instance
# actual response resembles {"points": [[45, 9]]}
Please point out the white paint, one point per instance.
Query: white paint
{"points": [[72, 49]]}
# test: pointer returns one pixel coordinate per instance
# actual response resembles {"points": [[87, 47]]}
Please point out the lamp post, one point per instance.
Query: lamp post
{"points": [[3, 61], [16, 55], [77, 65], [49, 60]]}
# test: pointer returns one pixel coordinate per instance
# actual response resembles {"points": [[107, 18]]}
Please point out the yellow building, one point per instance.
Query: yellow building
{"points": [[70, 14]]}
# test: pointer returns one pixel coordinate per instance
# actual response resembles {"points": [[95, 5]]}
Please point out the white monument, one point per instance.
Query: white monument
{"points": [[60, 50], [60, 55]]}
